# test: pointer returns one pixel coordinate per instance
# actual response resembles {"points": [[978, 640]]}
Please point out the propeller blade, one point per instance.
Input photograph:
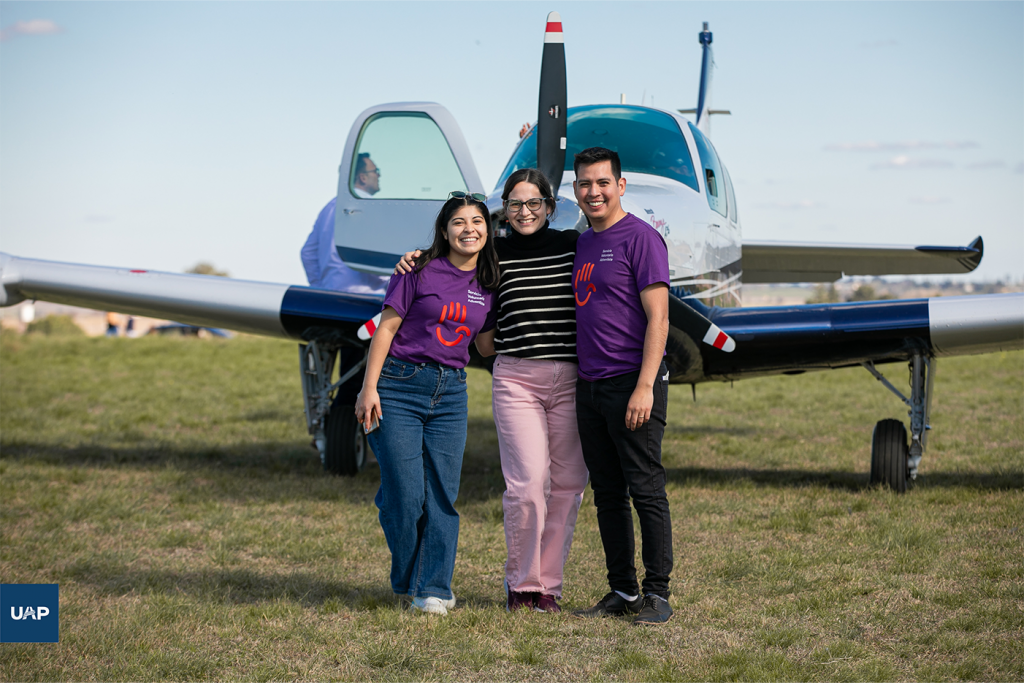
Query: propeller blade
{"points": [[367, 329], [552, 104], [684, 317]]}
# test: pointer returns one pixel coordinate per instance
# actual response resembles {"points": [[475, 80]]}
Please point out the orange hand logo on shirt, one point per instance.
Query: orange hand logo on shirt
{"points": [[455, 312], [583, 275]]}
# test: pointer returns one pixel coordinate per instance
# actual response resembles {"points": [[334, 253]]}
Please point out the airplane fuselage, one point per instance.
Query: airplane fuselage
{"points": [[675, 181]]}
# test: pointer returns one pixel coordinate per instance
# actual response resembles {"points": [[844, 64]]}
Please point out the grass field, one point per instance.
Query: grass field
{"points": [[168, 486]]}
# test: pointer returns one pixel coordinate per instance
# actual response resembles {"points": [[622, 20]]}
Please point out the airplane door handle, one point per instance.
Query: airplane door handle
{"points": [[349, 212]]}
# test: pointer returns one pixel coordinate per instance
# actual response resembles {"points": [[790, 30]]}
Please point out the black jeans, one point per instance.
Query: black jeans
{"points": [[626, 464]]}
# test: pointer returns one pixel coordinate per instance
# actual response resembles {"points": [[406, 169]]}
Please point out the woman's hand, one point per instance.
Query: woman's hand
{"points": [[368, 401], [368, 407], [407, 262]]}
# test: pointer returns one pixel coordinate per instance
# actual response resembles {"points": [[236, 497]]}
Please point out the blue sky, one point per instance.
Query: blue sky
{"points": [[158, 134]]}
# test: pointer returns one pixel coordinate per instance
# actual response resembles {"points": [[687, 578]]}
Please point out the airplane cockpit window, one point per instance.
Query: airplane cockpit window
{"points": [[403, 155], [646, 140], [715, 181]]}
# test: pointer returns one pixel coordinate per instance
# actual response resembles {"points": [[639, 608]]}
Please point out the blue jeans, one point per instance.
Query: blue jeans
{"points": [[419, 446]]}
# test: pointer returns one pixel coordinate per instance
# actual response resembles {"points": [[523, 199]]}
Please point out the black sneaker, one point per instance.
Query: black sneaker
{"points": [[611, 605], [655, 610]]}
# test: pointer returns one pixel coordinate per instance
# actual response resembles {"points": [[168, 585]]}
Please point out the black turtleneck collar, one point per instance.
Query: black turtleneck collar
{"points": [[537, 240]]}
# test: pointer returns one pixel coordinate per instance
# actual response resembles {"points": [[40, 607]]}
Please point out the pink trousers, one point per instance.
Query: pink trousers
{"points": [[535, 415]]}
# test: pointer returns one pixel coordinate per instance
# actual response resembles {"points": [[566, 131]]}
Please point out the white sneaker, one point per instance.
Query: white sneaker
{"points": [[449, 603], [430, 605]]}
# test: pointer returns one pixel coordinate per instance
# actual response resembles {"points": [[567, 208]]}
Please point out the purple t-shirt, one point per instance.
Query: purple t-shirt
{"points": [[610, 270], [442, 311]]}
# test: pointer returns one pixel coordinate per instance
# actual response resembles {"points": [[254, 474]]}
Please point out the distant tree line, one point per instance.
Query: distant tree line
{"points": [[827, 294], [206, 268]]}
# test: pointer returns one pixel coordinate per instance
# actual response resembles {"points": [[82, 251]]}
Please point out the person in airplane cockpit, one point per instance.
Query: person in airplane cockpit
{"points": [[534, 394], [413, 403], [325, 269], [366, 179]]}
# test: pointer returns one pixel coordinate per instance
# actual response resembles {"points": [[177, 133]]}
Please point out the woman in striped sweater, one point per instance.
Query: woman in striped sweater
{"points": [[534, 393]]}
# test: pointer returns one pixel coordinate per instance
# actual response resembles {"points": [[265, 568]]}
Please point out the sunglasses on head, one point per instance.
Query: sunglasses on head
{"points": [[459, 194]]}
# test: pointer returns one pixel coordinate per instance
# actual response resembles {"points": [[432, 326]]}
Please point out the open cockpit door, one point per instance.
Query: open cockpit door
{"points": [[400, 163]]}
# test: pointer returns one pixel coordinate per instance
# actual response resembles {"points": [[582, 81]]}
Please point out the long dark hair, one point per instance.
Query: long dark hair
{"points": [[487, 261], [535, 178]]}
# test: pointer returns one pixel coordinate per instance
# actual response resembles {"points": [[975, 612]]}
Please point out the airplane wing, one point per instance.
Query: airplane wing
{"points": [[823, 262], [777, 340], [264, 308]]}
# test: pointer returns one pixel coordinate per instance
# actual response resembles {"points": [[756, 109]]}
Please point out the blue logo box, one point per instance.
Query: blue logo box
{"points": [[29, 613]]}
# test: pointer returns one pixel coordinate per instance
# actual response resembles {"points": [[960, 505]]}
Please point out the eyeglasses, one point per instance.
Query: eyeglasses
{"points": [[514, 206], [459, 194], [373, 170]]}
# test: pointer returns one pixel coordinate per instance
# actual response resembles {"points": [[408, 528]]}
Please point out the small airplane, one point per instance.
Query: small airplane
{"points": [[675, 181]]}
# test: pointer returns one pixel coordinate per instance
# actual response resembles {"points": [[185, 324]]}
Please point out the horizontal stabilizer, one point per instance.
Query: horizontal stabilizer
{"points": [[824, 262], [710, 111]]}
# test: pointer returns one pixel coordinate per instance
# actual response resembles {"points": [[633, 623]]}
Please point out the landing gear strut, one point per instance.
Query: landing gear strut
{"points": [[336, 432], [893, 463]]}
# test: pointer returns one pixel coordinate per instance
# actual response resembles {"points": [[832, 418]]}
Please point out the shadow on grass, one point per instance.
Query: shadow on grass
{"points": [[836, 479], [707, 429], [481, 472], [228, 586], [242, 586]]}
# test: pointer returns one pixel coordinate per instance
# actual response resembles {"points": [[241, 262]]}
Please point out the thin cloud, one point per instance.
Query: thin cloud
{"points": [[884, 42], [911, 146], [930, 201], [1019, 168], [983, 165], [904, 161], [790, 206], [32, 27]]}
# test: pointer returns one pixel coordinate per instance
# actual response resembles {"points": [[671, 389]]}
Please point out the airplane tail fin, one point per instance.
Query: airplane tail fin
{"points": [[704, 110], [704, 95]]}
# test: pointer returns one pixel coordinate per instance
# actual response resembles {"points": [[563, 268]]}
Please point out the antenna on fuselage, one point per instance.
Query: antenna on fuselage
{"points": [[703, 110]]}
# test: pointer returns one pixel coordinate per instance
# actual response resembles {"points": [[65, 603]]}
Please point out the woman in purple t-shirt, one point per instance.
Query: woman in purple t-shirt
{"points": [[415, 390], [534, 393]]}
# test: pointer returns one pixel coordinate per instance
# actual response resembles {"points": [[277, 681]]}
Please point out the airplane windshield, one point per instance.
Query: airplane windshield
{"points": [[646, 140]]}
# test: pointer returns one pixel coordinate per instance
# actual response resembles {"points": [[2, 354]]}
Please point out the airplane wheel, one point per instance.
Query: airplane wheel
{"points": [[345, 451], [889, 455]]}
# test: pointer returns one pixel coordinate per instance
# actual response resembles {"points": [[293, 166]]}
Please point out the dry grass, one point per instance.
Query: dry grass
{"points": [[167, 485]]}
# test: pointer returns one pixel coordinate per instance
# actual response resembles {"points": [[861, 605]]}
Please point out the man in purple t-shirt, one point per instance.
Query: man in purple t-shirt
{"points": [[621, 280]]}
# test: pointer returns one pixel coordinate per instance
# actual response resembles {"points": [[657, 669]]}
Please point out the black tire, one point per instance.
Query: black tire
{"points": [[346, 449], [890, 455]]}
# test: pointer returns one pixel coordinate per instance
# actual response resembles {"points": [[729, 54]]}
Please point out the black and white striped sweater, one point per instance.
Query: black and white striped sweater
{"points": [[536, 306]]}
